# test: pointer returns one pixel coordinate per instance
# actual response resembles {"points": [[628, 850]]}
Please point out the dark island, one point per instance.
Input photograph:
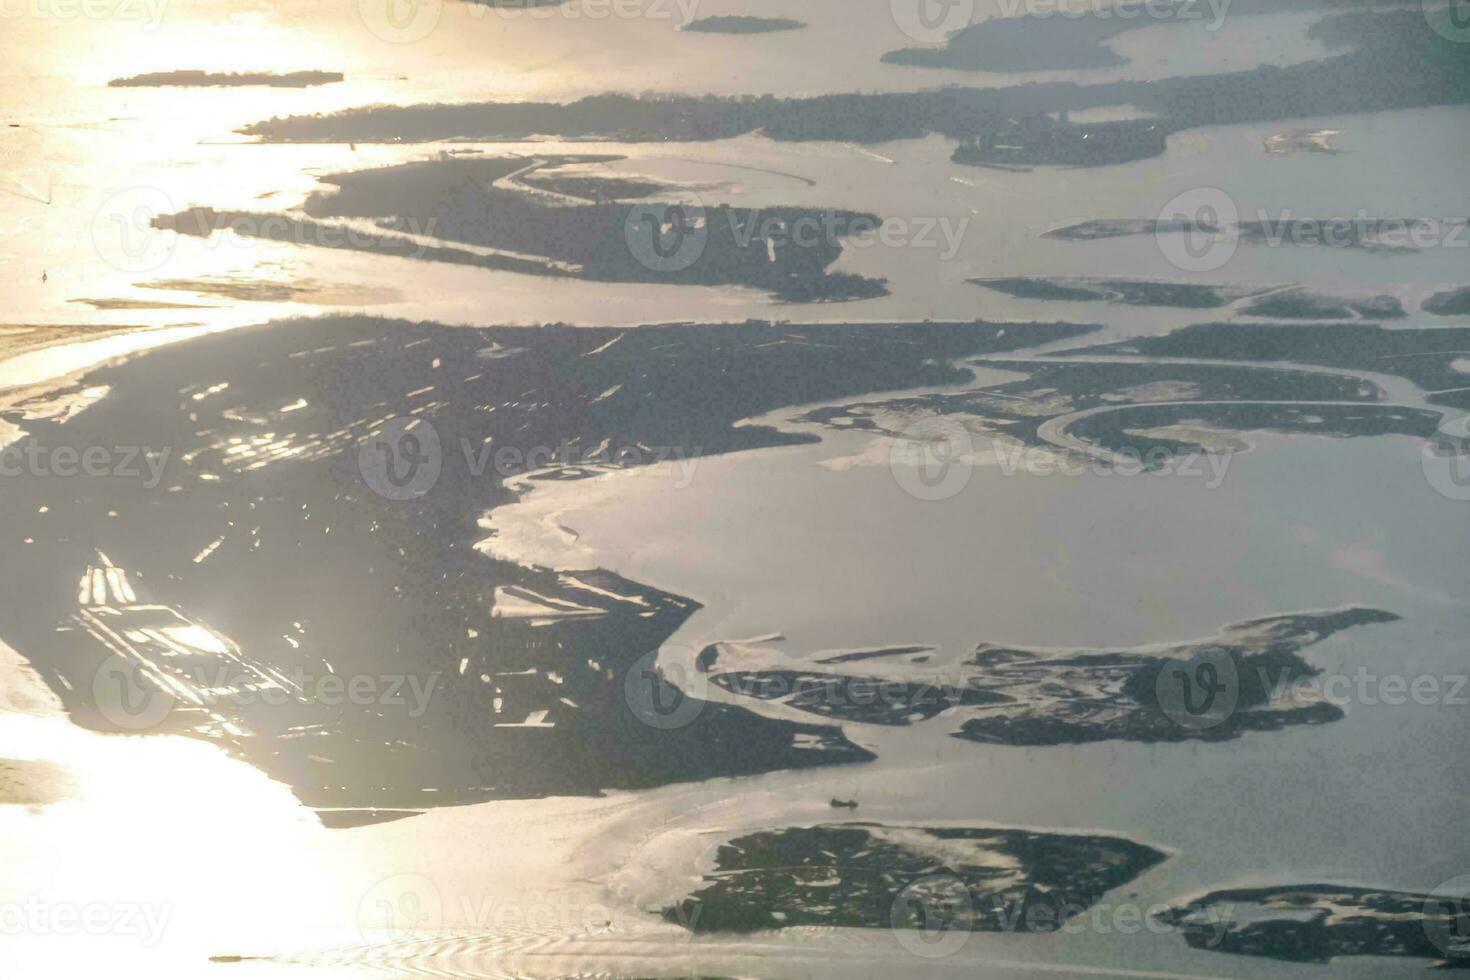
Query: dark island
{"points": [[1424, 356], [1046, 140], [208, 79], [511, 681], [1022, 44], [550, 217], [1129, 292], [1388, 60], [1147, 414], [1038, 42], [1450, 302], [1318, 923], [1303, 304], [738, 24], [1015, 696], [871, 876], [1392, 236]]}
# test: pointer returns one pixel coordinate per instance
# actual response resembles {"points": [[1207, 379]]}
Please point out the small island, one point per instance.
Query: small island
{"points": [[740, 24], [1304, 304], [1451, 302], [557, 217], [874, 876], [1043, 139], [236, 79], [1129, 292], [1318, 923]]}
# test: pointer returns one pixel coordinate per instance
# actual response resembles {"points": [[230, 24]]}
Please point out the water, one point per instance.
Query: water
{"points": [[816, 542], [86, 155], [1096, 561]]}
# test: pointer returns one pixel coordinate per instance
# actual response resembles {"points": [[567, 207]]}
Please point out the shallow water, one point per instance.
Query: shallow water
{"points": [[816, 542], [1092, 561]]}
